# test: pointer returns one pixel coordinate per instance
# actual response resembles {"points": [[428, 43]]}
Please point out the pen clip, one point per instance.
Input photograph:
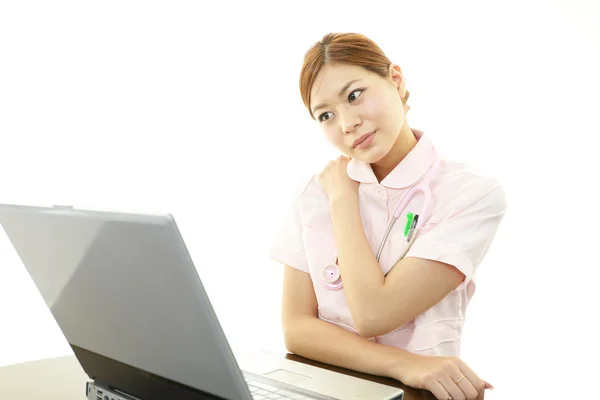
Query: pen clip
{"points": [[412, 227]]}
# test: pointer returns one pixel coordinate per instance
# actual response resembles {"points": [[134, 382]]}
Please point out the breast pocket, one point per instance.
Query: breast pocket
{"points": [[397, 246]]}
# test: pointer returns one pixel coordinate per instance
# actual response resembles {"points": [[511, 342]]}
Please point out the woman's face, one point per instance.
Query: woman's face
{"points": [[360, 112]]}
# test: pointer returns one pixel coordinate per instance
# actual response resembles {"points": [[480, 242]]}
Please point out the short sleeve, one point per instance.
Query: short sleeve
{"points": [[288, 248], [462, 240]]}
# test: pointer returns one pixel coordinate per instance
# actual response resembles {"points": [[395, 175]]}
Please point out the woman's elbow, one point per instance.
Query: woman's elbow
{"points": [[290, 335], [366, 332], [365, 327], [372, 327]]}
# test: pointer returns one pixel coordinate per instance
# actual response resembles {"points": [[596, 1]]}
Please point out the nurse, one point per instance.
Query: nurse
{"points": [[362, 292]]}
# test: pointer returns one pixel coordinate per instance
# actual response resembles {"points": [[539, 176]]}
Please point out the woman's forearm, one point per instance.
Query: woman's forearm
{"points": [[363, 279], [322, 341]]}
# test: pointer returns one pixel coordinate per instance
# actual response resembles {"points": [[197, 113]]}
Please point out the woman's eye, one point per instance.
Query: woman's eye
{"points": [[322, 116], [353, 96]]}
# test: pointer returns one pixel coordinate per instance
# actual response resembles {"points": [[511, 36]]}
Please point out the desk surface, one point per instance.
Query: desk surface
{"points": [[62, 378]]}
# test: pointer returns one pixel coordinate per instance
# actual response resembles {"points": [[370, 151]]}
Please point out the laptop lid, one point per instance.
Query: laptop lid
{"points": [[126, 295]]}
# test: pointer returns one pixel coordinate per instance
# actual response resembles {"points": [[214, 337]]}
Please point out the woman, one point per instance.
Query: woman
{"points": [[396, 311]]}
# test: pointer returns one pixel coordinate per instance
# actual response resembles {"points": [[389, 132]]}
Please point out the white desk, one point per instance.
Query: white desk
{"points": [[60, 378]]}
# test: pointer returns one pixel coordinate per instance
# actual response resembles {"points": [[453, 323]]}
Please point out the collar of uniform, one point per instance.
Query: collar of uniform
{"points": [[406, 173]]}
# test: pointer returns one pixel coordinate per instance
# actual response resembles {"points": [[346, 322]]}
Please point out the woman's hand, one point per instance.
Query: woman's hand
{"points": [[445, 377], [335, 180]]}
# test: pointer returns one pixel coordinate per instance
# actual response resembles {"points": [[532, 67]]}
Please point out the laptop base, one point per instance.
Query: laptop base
{"points": [[97, 392]]}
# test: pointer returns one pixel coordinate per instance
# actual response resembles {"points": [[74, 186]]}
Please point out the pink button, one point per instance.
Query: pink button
{"points": [[331, 273]]}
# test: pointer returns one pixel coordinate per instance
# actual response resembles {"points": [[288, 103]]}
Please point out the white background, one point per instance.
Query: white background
{"points": [[195, 110]]}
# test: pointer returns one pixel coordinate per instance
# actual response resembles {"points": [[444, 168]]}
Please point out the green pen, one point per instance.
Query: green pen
{"points": [[409, 219]]}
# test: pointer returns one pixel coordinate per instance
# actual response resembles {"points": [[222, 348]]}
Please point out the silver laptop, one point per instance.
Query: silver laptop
{"points": [[125, 293]]}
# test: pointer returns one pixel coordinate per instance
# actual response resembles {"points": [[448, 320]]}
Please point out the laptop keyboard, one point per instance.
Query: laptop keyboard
{"points": [[263, 391]]}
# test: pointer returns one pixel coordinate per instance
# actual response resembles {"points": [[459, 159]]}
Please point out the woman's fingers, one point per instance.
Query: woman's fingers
{"points": [[467, 388], [450, 378], [451, 387], [458, 384], [438, 390], [475, 380]]}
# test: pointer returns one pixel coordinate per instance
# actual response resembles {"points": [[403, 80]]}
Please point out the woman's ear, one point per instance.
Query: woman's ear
{"points": [[395, 75], [397, 79]]}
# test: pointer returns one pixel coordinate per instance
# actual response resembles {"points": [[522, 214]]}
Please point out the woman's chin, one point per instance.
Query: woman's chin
{"points": [[370, 155]]}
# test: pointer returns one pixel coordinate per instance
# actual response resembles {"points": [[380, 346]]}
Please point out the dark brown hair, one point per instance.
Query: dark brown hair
{"points": [[342, 48]]}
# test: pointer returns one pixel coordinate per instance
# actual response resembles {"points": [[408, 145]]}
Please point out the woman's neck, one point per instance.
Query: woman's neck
{"points": [[405, 142]]}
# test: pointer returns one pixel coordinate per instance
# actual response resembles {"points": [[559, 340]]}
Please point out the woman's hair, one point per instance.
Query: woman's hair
{"points": [[342, 48]]}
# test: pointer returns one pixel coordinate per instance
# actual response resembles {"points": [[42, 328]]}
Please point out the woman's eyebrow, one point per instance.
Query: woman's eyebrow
{"points": [[341, 92]]}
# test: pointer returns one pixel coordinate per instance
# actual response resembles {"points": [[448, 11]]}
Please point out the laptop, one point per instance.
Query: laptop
{"points": [[126, 295]]}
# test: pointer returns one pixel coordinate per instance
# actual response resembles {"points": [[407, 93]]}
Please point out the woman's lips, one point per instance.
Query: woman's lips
{"points": [[364, 141]]}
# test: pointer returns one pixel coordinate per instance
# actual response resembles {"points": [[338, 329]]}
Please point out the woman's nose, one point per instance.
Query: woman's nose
{"points": [[350, 122]]}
